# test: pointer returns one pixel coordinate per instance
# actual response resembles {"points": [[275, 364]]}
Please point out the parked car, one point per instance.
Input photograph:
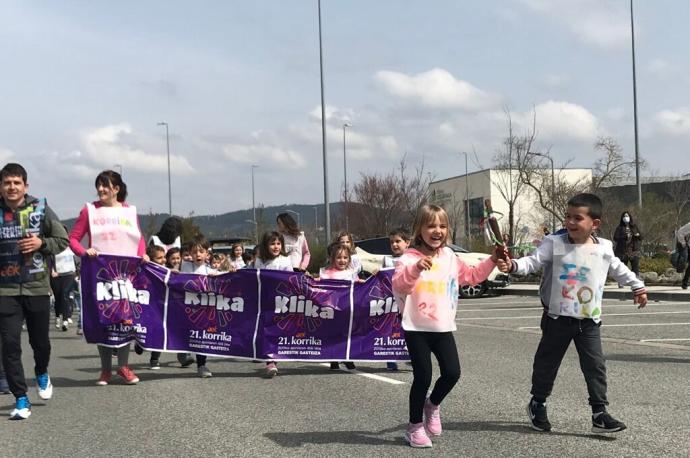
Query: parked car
{"points": [[225, 245], [372, 251]]}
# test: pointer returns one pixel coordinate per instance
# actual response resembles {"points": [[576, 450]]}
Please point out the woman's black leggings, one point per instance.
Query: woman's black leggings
{"points": [[421, 345]]}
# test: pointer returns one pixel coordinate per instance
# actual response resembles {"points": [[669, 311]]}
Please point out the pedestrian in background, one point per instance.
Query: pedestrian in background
{"points": [[628, 242]]}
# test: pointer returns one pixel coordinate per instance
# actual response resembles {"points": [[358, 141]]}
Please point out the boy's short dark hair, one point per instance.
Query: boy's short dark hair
{"points": [[591, 201], [151, 250], [12, 169], [199, 241], [400, 232]]}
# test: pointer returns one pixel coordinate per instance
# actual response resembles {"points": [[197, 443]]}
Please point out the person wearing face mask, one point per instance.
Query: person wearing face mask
{"points": [[628, 242]]}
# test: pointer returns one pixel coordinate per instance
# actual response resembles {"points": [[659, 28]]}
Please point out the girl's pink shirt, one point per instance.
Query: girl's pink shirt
{"points": [[331, 273], [427, 299], [81, 228]]}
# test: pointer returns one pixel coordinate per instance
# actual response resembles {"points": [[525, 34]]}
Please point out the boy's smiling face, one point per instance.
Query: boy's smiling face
{"points": [[579, 224]]}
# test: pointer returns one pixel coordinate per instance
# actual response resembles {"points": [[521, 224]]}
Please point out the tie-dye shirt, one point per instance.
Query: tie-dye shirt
{"points": [[427, 299]]}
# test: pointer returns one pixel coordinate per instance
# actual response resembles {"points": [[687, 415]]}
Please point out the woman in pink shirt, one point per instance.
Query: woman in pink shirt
{"points": [[425, 283], [113, 228]]}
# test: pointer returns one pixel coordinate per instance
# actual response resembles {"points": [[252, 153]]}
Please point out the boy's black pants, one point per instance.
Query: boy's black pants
{"points": [[13, 311], [556, 337]]}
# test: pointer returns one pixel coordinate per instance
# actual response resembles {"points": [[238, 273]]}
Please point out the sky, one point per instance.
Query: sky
{"points": [[85, 84]]}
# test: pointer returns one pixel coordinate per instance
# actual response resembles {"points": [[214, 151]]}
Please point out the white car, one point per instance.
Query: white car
{"points": [[372, 251]]}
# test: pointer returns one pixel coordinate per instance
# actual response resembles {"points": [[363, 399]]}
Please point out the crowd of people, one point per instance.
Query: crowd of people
{"points": [[425, 282]]}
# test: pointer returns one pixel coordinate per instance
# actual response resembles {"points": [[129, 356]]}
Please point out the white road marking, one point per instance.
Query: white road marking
{"points": [[539, 316], [380, 378], [664, 340], [541, 308], [624, 325]]}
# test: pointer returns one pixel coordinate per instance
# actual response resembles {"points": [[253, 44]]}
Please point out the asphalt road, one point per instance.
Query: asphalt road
{"points": [[310, 411]]}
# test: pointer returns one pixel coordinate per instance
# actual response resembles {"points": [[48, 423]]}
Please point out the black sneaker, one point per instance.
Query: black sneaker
{"points": [[335, 366], [350, 365], [537, 416], [137, 349], [185, 359], [603, 422], [154, 365]]}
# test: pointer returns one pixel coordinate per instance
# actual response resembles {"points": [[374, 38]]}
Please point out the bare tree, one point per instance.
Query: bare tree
{"points": [[612, 168], [414, 188], [380, 209], [678, 191]]}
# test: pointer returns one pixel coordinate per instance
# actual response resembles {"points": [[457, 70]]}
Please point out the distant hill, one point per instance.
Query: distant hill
{"points": [[238, 223]]}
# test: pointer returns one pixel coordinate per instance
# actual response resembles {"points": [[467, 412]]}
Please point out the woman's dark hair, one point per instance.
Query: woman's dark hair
{"points": [[110, 178], [289, 223], [268, 238], [170, 230], [631, 223]]}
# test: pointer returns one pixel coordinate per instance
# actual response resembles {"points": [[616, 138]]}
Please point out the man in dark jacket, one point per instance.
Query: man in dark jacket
{"points": [[29, 232]]}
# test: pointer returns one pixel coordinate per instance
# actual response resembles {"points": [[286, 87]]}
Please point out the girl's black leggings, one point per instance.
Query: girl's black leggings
{"points": [[421, 345]]}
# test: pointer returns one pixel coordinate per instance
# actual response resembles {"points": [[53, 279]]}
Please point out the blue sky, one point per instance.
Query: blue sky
{"points": [[85, 83]]}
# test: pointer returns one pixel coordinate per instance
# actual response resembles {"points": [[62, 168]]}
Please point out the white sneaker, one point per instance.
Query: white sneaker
{"points": [[69, 320], [58, 322], [44, 387], [22, 409], [65, 326]]}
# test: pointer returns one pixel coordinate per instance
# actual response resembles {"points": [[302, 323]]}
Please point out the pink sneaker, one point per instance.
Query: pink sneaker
{"points": [[432, 418], [104, 379], [128, 374], [416, 436]]}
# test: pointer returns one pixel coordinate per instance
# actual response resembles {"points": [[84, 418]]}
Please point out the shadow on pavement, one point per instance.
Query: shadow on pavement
{"points": [[646, 358], [510, 426], [294, 440]]}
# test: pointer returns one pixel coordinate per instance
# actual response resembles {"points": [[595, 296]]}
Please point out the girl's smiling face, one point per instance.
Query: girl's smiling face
{"points": [[435, 233], [275, 247], [342, 260]]}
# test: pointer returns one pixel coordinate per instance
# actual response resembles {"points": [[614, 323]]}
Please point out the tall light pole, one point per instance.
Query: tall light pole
{"points": [[323, 135], [553, 192], [347, 225], [256, 232], [316, 224], [167, 144], [467, 204], [637, 144]]}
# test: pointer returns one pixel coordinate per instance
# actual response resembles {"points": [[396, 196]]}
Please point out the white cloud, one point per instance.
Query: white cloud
{"points": [[108, 145], [558, 120], [436, 88], [6, 155], [263, 154], [602, 24], [555, 81], [673, 122]]}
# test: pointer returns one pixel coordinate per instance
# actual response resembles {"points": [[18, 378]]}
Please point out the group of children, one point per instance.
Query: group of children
{"points": [[425, 283]]}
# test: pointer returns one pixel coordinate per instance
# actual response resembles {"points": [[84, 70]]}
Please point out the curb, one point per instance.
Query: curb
{"points": [[652, 296]]}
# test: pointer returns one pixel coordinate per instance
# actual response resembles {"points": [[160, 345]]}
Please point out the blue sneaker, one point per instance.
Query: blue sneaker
{"points": [[392, 366], [22, 409], [44, 387], [4, 387]]}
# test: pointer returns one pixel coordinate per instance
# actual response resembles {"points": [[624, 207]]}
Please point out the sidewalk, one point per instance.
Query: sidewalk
{"points": [[611, 291]]}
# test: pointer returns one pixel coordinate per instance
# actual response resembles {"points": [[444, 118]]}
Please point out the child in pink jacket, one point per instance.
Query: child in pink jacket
{"points": [[426, 283]]}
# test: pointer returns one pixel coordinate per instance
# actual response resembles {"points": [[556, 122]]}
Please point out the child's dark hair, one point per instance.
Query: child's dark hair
{"points": [[232, 250], [400, 232], [247, 257], [333, 250], [151, 250], [268, 238], [591, 201], [199, 241], [110, 178], [13, 169]]}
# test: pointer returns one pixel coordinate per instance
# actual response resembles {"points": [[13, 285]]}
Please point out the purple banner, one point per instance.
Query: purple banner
{"points": [[266, 315]]}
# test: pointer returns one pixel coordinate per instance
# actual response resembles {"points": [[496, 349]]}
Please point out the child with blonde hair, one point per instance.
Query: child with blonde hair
{"points": [[425, 284]]}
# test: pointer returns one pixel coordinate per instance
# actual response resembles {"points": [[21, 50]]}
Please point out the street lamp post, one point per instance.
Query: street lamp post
{"points": [[323, 134], [256, 240], [637, 144], [299, 217], [553, 191], [347, 225], [467, 204], [316, 224], [256, 234], [167, 144]]}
